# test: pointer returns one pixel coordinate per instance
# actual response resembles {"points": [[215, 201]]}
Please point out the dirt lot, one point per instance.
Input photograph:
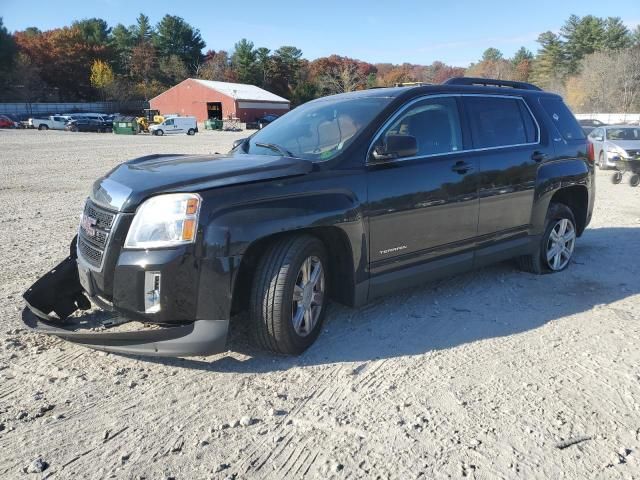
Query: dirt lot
{"points": [[487, 375]]}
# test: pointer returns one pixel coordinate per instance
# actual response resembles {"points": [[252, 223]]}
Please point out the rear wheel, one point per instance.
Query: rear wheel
{"points": [[288, 298], [191, 131], [634, 180], [557, 244], [616, 178], [43, 127]]}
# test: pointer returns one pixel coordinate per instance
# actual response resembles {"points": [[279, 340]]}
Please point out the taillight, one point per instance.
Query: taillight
{"points": [[591, 154]]}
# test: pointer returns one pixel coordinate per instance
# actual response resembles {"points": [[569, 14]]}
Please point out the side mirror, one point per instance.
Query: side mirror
{"points": [[237, 143], [395, 146]]}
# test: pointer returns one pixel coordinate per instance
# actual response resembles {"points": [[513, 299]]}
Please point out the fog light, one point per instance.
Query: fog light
{"points": [[151, 292]]}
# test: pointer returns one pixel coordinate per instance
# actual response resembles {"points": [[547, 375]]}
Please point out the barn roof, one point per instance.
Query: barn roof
{"points": [[241, 91]]}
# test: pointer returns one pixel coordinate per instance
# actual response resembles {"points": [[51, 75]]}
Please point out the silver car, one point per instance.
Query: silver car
{"points": [[613, 143]]}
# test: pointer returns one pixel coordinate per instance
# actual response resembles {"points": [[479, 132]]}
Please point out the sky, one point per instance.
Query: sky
{"points": [[395, 31]]}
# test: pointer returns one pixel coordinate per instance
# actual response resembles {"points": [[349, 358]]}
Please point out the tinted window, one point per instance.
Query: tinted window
{"points": [[434, 123], [562, 118], [169, 122], [499, 122]]}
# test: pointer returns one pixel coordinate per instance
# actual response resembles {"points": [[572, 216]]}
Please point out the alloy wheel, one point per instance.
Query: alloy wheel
{"points": [[560, 244], [308, 296]]}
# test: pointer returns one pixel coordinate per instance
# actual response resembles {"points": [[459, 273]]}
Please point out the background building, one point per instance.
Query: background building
{"points": [[206, 99]]}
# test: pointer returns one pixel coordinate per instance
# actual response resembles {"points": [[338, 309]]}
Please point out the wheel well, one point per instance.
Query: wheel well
{"points": [[341, 271], [577, 199]]}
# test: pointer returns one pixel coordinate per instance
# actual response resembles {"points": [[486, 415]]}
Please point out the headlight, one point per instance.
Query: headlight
{"points": [[165, 221], [613, 150]]}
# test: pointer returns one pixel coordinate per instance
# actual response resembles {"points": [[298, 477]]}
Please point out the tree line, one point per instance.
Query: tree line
{"points": [[594, 62]]}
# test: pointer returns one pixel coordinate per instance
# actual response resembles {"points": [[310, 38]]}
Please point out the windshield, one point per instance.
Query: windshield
{"points": [[623, 133], [318, 130]]}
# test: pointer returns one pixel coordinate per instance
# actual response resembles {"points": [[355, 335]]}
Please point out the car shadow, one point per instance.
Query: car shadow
{"points": [[493, 302]]}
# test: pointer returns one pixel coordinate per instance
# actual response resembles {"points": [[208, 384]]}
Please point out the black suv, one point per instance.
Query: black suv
{"points": [[89, 125], [347, 197]]}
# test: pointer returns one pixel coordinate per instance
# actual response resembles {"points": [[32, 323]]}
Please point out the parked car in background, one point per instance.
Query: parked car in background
{"points": [[6, 122], [609, 144], [265, 120], [53, 122], [186, 125], [589, 124], [88, 125]]}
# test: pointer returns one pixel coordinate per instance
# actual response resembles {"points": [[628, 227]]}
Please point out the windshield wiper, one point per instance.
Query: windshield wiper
{"points": [[274, 146]]}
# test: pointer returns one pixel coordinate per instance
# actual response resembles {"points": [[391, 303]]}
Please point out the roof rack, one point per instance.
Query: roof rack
{"points": [[491, 82], [411, 84]]}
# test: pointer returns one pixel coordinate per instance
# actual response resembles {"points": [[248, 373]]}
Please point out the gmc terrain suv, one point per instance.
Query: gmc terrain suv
{"points": [[347, 197]]}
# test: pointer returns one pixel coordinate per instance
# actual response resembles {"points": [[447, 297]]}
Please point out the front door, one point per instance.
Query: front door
{"points": [[423, 206]]}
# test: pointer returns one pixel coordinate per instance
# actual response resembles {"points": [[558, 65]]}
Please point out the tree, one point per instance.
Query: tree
{"points": [[8, 51], [616, 35], [174, 36], [173, 70], [101, 77], [336, 74], [522, 55], [263, 61], [492, 55], [582, 36], [144, 64], [244, 61], [122, 42], [142, 31], [217, 66], [94, 31], [635, 36], [549, 64]]}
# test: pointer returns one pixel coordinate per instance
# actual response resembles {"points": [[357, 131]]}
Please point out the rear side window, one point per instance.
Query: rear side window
{"points": [[562, 118], [499, 122]]}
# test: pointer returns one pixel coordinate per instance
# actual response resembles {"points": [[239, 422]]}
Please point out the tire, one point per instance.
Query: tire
{"points": [[616, 178], [560, 220], [158, 133], [634, 180], [277, 282], [191, 131], [601, 164], [43, 127]]}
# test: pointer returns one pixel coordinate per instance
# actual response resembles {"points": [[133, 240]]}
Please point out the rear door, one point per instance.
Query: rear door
{"points": [[506, 140]]}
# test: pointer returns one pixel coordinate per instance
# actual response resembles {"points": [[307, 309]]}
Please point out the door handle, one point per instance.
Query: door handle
{"points": [[461, 167], [538, 156]]}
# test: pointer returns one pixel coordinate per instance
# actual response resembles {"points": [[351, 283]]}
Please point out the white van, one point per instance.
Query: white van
{"points": [[186, 125]]}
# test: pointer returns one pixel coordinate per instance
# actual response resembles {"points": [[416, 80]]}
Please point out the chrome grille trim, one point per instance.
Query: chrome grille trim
{"points": [[92, 249]]}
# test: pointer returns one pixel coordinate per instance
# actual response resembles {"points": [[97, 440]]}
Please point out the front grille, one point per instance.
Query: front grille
{"points": [[94, 231], [633, 153]]}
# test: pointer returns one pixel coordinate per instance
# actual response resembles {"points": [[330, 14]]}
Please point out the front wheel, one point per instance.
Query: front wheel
{"points": [[158, 132], [289, 295], [557, 244], [634, 180]]}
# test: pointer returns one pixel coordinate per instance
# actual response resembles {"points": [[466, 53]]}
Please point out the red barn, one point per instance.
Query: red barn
{"points": [[206, 99]]}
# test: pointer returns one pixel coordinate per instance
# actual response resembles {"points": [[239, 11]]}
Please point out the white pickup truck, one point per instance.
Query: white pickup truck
{"points": [[53, 122]]}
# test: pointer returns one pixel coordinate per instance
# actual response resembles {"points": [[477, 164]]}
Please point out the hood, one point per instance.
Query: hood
{"points": [[625, 144], [127, 185]]}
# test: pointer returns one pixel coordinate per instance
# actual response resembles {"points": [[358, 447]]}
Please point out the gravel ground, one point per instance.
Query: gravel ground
{"points": [[492, 374]]}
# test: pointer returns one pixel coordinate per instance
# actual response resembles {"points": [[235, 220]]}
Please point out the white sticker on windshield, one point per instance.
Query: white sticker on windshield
{"points": [[556, 117]]}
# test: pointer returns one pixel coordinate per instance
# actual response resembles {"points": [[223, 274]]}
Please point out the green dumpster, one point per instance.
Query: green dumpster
{"points": [[213, 124], [125, 125]]}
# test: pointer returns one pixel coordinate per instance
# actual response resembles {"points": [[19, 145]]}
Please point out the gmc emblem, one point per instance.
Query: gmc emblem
{"points": [[87, 223]]}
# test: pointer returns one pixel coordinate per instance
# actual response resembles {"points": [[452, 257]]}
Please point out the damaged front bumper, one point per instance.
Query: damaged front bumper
{"points": [[58, 294]]}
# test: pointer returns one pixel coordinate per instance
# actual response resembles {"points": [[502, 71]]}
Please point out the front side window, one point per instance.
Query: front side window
{"points": [[169, 122], [499, 122], [434, 123]]}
